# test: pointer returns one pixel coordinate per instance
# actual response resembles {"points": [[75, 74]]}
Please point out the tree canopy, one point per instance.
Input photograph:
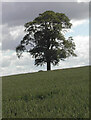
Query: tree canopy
{"points": [[45, 41]]}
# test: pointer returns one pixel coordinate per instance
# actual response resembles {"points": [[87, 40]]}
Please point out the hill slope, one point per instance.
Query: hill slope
{"points": [[52, 94]]}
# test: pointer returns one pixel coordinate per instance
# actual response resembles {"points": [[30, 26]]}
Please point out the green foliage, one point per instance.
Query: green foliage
{"points": [[45, 40], [52, 94]]}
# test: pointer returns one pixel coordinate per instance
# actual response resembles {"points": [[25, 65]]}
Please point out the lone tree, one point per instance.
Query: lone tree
{"points": [[45, 41]]}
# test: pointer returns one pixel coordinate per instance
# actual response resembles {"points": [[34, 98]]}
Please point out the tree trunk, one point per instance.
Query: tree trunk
{"points": [[48, 66]]}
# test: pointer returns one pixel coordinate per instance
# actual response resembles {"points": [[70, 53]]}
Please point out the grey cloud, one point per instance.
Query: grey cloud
{"points": [[39, 0], [18, 13], [90, 12]]}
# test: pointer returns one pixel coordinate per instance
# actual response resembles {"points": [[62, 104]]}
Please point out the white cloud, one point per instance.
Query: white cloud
{"points": [[0, 61], [0, 45], [83, 1], [6, 60], [82, 51], [76, 23], [0, 37], [13, 65], [16, 31], [11, 36]]}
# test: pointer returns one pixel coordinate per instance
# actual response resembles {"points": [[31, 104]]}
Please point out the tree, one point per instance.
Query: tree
{"points": [[45, 41]]}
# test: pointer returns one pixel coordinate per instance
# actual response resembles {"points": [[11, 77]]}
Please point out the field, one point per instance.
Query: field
{"points": [[53, 94]]}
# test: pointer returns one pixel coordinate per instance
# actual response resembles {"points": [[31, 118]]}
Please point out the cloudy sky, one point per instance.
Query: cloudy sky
{"points": [[16, 14]]}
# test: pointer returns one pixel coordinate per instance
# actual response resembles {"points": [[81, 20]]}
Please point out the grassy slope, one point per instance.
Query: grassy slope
{"points": [[60, 93]]}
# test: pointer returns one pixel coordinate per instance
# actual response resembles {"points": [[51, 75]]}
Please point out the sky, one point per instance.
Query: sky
{"points": [[16, 13]]}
